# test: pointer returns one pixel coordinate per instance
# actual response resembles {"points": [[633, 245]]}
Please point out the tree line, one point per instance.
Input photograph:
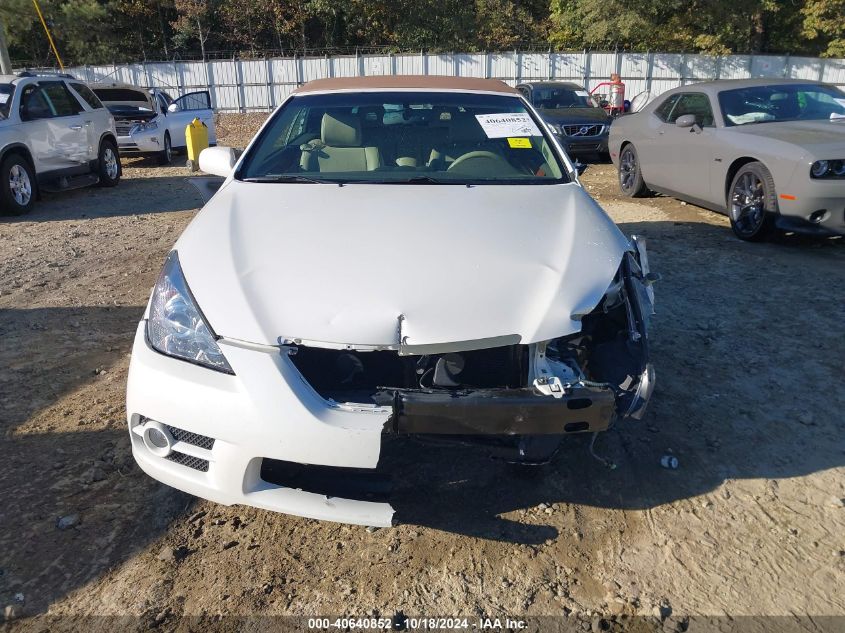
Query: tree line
{"points": [[103, 31]]}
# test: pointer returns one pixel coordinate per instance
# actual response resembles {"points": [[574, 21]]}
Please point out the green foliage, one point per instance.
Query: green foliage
{"points": [[92, 31]]}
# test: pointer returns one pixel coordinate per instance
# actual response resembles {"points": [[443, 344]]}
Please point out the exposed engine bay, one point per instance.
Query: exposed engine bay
{"points": [[512, 394]]}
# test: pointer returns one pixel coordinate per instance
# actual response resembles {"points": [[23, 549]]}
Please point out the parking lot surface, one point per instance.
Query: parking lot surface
{"points": [[748, 348]]}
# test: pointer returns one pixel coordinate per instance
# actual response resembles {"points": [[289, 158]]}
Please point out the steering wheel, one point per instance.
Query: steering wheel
{"points": [[477, 158]]}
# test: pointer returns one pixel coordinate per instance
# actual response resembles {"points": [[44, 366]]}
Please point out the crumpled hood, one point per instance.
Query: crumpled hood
{"points": [[331, 264], [818, 137]]}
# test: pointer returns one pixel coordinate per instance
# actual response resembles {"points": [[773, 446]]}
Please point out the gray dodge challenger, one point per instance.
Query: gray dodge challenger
{"points": [[768, 153]]}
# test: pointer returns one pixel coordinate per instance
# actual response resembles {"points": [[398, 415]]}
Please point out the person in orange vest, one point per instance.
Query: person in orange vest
{"points": [[616, 95]]}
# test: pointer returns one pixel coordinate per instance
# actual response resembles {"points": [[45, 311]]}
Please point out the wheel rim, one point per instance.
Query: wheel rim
{"points": [[627, 170], [110, 161], [748, 208], [20, 185]]}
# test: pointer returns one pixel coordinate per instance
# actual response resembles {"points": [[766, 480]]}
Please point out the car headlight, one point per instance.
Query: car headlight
{"points": [[828, 168], [176, 326], [145, 127]]}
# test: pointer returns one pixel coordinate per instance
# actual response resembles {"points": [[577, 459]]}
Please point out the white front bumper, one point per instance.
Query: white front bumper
{"points": [[145, 142], [265, 410]]}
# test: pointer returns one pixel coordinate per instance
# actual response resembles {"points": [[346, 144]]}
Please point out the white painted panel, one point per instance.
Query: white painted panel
{"points": [[409, 65], [804, 68], [833, 71], [602, 64], [701, 67], [378, 65], [768, 66], [343, 66], [441, 65], [634, 65], [283, 71], [314, 68], [534, 66], [281, 92], [659, 86], [470, 65], [569, 66], [735, 67], [502, 66], [667, 65], [255, 97], [254, 71], [193, 74]]}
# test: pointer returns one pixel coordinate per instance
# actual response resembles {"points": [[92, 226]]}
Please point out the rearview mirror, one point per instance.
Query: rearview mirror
{"points": [[219, 161], [685, 120], [173, 108]]}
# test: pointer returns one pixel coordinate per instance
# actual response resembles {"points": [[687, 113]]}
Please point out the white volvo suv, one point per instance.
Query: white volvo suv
{"points": [[390, 255], [55, 134]]}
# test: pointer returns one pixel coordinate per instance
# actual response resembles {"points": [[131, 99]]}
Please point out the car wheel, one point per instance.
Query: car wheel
{"points": [[630, 175], [17, 185], [166, 155], [752, 203], [108, 164]]}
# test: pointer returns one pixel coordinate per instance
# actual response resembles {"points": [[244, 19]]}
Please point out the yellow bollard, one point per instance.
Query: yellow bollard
{"points": [[196, 139]]}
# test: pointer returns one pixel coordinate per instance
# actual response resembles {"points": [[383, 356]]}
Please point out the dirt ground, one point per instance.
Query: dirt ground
{"points": [[748, 347]]}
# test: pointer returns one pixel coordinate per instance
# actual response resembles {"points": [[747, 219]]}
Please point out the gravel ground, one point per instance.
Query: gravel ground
{"points": [[748, 348]]}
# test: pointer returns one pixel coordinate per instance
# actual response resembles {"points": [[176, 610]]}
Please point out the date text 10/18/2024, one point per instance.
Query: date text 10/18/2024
{"points": [[404, 623]]}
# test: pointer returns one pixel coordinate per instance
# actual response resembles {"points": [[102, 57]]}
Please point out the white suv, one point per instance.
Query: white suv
{"points": [[55, 134]]}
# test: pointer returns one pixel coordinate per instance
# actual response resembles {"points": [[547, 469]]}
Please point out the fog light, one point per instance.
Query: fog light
{"points": [[157, 438], [817, 217]]}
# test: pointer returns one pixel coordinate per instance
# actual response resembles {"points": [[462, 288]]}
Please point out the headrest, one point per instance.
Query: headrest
{"points": [[341, 130]]}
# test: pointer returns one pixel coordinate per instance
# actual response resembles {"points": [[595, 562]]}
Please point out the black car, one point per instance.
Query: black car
{"points": [[579, 122]]}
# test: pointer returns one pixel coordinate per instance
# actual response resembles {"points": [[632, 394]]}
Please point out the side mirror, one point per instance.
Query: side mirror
{"points": [[580, 167], [173, 108], [685, 120], [218, 161]]}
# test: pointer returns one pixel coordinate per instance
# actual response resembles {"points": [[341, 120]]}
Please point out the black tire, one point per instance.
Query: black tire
{"points": [[165, 156], [108, 164], [631, 181], [752, 203], [17, 185]]}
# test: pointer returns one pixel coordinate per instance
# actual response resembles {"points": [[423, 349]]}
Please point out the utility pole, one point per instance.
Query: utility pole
{"points": [[5, 62]]}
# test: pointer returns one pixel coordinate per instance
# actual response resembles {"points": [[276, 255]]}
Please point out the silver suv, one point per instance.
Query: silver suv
{"points": [[55, 134]]}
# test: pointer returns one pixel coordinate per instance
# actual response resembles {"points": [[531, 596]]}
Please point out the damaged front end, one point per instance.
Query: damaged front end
{"points": [[519, 399]]}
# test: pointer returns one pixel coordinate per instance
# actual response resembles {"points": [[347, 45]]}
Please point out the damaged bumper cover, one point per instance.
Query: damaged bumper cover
{"points": [[254, 437]]}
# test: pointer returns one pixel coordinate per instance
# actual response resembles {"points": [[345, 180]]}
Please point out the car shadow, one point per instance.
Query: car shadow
{"points": [[73, 502], [132, 196]]}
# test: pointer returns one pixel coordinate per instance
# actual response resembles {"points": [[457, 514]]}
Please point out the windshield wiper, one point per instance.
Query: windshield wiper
{"points": [[292, 178], [414, 180]]}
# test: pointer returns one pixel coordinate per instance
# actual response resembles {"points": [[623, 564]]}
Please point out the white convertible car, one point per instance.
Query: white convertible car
{"points": [[390, 255]]}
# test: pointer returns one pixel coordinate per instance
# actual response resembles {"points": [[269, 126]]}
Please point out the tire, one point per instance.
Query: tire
{"points": [[166, 155], [752, 203], [108, 164], [17, 185], [631, 181]]}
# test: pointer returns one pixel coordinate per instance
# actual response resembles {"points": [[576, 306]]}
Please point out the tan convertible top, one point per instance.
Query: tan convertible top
{"points": [[425, 82]]}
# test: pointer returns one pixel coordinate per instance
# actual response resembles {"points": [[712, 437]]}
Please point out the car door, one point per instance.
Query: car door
{"points": [[195, 105], [96, 118], [650, 146], [50, 119], [691, 150]]}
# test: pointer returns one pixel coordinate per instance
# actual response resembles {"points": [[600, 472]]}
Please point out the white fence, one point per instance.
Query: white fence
{"points": [[250, 85]]}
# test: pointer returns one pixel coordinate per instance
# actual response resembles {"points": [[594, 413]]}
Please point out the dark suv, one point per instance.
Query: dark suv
{"points": [[579, 122]]}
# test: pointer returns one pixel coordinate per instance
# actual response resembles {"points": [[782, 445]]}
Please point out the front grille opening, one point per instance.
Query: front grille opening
{"points": [[195, 439], [351, 376], [331, 481], [187, 460]]}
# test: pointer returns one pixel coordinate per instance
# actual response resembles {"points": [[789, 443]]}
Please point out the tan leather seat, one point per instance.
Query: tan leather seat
{"points": [[339, 147]]}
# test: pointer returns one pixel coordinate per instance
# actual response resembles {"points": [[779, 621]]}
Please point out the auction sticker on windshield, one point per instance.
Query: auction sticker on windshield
{"points": [[507, 124]]}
